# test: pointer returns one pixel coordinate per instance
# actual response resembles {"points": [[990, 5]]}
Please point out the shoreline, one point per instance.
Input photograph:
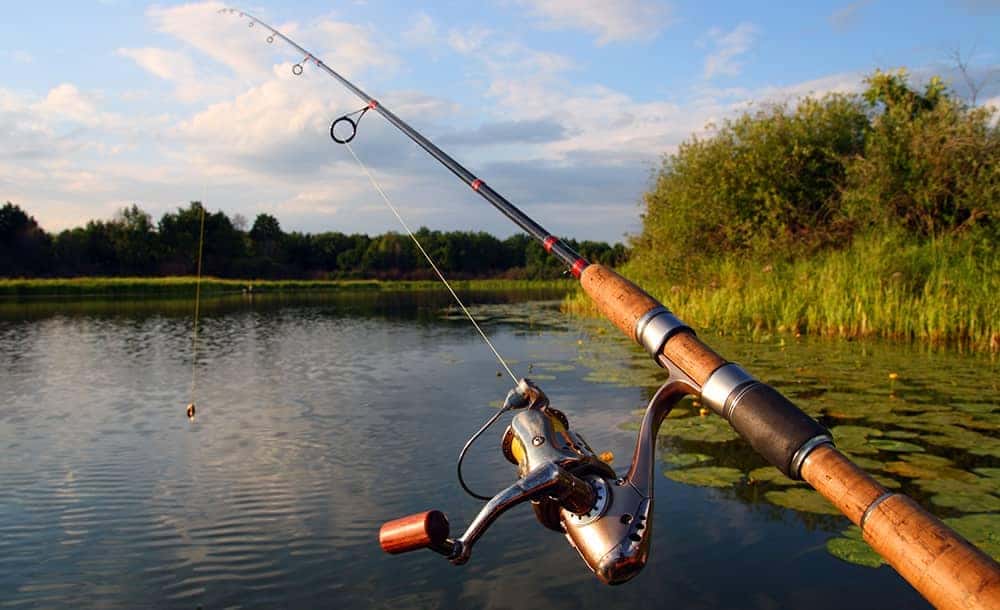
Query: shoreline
{"points": [[728, 307], [184, 286]]}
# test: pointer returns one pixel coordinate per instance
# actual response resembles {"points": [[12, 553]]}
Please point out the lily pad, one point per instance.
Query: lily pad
{"points": [[770, 474], [602, 372], [848, 405], [887, 482], [927, 459], [805, 500], [854, 439], [709, 429], [971, 485], [957, 437], [976, 408], [542, 377], [990, 473], [970, 502], [912, 470], [950, 441], [555, 367], [687, 459], [888, 444], [707, 476], [850, 547], [866, 463], [633, 425], [981, 530]]}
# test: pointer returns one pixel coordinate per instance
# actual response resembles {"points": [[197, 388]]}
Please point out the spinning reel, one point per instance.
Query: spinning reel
{"points": [[606, 518]]}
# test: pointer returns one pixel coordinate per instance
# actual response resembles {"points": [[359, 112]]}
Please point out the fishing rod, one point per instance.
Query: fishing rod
{"points": [[552, 244], [607, 518]]}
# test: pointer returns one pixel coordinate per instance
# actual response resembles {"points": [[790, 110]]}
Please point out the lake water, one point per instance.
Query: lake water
{"points": [[318, 419]]}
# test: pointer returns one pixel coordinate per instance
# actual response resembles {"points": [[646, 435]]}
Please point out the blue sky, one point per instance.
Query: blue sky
{"points": [[566, 107]]}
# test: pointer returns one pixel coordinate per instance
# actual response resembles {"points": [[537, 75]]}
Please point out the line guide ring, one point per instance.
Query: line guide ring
{"points": [[347, 118], [349, 121]]}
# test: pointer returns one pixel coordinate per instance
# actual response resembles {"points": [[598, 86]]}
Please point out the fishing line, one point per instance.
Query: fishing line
{"points": [[197, 311], [551, 243], [430, 261]]}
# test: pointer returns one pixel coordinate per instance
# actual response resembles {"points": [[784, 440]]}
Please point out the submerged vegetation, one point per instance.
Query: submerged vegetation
{"points": [[851, 215]]}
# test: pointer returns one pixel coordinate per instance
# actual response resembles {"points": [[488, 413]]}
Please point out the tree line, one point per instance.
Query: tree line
{"points": [[132, 244]]}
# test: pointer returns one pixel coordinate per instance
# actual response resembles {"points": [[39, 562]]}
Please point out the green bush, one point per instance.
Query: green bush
{"points": [[930, 162], [850, 215], [786, 181], [766, 180]]}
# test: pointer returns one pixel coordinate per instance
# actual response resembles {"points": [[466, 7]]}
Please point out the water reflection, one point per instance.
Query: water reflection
{"points": [[318, 420]]}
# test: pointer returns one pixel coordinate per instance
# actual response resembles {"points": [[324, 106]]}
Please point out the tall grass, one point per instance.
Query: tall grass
{"points": [[938, 292]]}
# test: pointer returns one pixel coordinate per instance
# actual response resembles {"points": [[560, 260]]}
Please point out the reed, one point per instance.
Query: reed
{"points": [[941, 292]]}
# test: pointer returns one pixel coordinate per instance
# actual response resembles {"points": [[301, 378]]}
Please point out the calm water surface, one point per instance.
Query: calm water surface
{"points": [[319, 419]]}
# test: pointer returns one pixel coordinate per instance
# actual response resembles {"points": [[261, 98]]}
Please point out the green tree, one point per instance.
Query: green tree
{"points": [[135, 241], [179, 236], [25, 249], [390, 253], [266, 236]]}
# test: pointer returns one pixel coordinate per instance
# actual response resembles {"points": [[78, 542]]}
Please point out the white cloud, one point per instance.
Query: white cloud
{"points": [[64, 159], [729, 46], [599, 121], [177, 67], [224, 57], [226, 39], [222, 37], [845, 82], [266, 120], [65, 104], [423, 32], [168, 65], [846, 17], [468, 41], [994, 103], [349, 47], [621, 20]]}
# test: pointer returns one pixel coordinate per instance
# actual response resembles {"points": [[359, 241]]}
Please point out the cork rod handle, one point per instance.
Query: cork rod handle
{"points": [[623, 303], [947, 570]]}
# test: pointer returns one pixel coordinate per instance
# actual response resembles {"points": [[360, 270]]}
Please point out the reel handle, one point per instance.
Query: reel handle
{"points": [[424, 530]]}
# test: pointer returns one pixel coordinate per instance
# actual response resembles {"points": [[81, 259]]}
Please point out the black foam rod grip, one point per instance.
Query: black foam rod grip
{"points": [[772, 425]]}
